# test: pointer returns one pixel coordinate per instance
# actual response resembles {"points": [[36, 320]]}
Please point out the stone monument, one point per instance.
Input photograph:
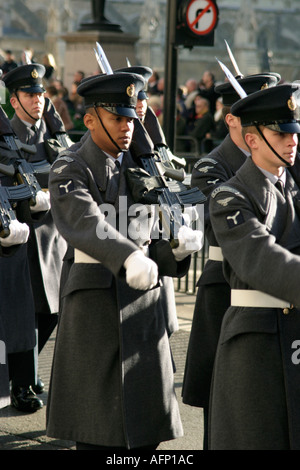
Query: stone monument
{"points": [[99, 22], [245, 40], [80, 45]]}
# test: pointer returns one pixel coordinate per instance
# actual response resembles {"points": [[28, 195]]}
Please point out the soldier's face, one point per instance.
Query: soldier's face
{"points": [[141, 108], [283, 143], [119, 128], [33, 103]]}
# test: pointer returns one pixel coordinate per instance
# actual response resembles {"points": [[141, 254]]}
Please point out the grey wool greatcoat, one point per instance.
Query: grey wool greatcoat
{"points": [[256, 381], [213, 294], [112, 375], [17, 315], [46, 247]]}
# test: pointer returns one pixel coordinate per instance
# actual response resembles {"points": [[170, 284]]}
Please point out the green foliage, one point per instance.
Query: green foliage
{"points": [[7, 106]]}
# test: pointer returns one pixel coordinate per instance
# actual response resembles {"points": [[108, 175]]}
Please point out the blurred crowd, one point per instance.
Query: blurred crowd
{"points": [[67, 102], [199, 123]]}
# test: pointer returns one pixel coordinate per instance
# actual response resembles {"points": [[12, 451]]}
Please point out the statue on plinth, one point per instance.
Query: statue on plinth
{"points": [[99, 22]]}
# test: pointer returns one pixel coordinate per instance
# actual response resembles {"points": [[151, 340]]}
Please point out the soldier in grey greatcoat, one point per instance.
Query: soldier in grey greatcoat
{"points": [[16, 306], [112, 376], [157, 138], [255, 392], [46, 247], [213, 294]]}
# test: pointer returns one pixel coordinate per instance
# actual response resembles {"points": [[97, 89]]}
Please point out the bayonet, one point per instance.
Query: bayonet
{"points": [[240, 91], [233, 61], [102, 60]]}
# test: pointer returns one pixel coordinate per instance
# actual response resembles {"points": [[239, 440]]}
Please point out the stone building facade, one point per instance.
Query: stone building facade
{"points": [[263, 34]]}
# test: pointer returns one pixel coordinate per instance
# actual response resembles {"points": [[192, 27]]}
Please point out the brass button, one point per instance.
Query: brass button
{"points": [[286, 311]]}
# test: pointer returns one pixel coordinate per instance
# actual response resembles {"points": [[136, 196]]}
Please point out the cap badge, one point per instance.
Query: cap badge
{"points": [[130, 90], [264, 86], [292, 104], [34, 73]]}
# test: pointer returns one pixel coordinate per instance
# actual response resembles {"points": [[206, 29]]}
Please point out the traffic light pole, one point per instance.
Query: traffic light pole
{"points": [[189, 23], [170, 84]]}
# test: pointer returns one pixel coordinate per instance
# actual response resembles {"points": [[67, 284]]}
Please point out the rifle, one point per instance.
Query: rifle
{"points": [[31, 177], [60, 140], [27, 185], [151, 184], [13, 164], [9, 195], [155, 131], [34, 174], [8, 136]]}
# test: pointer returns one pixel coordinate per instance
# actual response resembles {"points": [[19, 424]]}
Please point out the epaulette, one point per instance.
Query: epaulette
{"points": [[64, 156]]}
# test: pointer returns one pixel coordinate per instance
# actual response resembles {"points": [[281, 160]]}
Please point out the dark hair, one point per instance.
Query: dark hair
{"points": [[52, 90]]}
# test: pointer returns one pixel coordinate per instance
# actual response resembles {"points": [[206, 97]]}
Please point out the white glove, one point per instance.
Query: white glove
{"points": [[189, 240], [190, 215], [19, 234], [42, 202], [141, 272]]}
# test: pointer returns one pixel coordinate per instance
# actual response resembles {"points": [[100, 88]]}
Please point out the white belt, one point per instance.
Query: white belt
{"points": [[81, 257], [215, 253], [256, 298]]}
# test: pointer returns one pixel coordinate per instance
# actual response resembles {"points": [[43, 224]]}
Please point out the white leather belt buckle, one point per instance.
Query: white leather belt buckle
{"points": [[215, 253], [81, 257], [256, 298]]}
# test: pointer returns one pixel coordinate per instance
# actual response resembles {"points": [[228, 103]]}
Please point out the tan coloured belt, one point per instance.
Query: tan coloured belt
{"points": [[81, 257], [215, 253]]}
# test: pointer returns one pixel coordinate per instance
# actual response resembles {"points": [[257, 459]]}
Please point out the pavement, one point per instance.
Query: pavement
{"points": [[22, 431]]}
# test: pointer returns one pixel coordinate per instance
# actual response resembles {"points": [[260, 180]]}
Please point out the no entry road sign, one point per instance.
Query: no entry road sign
{"points": [[201, 16]]}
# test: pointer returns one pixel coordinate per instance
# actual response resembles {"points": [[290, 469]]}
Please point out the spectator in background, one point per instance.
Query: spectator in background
{"points": [[192, 90], [155, 103], [77, 102], [60, 106], [9, 63], [202, 121], [216, 135], [50, 66], [180, 144], [180, 102], [58, 83], [152, 83], [63, 93], [207, 89], [160, 86], [78, 76]]}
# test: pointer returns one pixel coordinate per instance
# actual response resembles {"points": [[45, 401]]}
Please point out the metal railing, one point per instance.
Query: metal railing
{"points": [[187, 284]]}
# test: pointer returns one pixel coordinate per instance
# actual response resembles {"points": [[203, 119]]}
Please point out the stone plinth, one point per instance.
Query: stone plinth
{"points": [[80, 45], [248, 60]]}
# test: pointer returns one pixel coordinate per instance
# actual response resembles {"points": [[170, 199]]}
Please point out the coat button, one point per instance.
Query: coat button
{"points": [[286, 311]]}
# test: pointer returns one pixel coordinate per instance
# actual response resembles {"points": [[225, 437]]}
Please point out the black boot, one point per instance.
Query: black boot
{"points": [[39, 386], [24, 399]]}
